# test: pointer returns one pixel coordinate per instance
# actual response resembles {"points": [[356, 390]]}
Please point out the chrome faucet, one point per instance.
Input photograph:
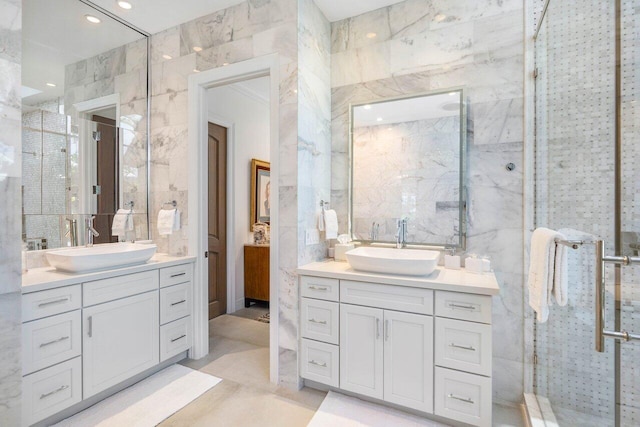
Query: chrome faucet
{"points": [[401, 235], [90, 232], [73, 231]]}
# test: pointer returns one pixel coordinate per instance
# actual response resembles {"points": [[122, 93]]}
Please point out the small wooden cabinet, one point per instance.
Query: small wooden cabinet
{"points": [[256, 273]]}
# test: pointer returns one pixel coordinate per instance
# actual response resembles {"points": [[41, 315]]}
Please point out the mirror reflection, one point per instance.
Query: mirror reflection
{"points": [[407, 158], [84, 99]]}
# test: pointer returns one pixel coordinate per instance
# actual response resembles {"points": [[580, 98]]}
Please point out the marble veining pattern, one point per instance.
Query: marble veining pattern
{"points": [[10, 224], [420, 46]]}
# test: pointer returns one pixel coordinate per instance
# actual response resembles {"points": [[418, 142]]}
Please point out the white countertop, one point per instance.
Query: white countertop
{"points": [[440, 279], [38, 279]]}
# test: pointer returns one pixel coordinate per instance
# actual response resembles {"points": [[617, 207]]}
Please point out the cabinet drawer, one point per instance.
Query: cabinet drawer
{"points": [[176, 274], [320, 320], [456, 305], [320, 288], [175, 302], [465, 346], [401, 298], [463, 397], [41, 304], [114, 288], [175, 337], [51, 340], [51, 390], [320, 362]]}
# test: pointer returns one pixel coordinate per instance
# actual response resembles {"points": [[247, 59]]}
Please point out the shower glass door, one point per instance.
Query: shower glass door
{"points": [[585, 189]]}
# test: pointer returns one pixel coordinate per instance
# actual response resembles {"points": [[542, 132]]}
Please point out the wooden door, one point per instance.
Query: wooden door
{"points": [[408, 360], [107, 173], [217, 219], [361, 350]]}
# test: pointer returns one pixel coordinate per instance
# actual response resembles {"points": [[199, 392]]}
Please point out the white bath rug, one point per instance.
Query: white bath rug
{"points": [[147, 403], [338, 410]]}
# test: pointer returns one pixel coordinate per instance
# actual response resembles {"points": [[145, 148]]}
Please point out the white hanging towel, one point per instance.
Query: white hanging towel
{"points": [[122, 222], [330, 224], [168, 221], [547, 271]]}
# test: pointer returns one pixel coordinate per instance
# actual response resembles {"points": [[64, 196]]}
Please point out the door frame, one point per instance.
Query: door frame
{"points": [[85, 109], [198, 85], [231, 208]]}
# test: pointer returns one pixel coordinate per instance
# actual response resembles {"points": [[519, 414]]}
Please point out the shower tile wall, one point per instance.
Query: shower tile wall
{"points": [[248, 30], [10, 177], [574, 190], [423, 45]]}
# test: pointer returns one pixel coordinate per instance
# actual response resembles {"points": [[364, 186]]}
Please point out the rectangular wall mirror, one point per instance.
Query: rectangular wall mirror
{"points": [[407, 162], [84, 121]]}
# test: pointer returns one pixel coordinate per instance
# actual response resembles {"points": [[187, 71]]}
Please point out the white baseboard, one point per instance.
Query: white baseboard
{"points": [[239, 303]]}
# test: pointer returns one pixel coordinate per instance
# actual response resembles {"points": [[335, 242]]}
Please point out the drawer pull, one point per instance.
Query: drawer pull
{"points": [[377, 328], [322, 365], [386, 330], [44, 344], [318, 288], [463, 307], [57, 301], [178, 302], [58, 390], [462, 347], [178, 274], [319, 322], [90, 326], [461, 399], [179, 338]]}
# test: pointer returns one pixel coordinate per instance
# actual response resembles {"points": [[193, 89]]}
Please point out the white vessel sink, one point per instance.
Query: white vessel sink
{"points": [[107, 255], [413, 262]]}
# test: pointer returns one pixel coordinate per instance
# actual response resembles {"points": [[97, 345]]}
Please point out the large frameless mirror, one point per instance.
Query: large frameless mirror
{"points": [[407, 162], [84, 115]]}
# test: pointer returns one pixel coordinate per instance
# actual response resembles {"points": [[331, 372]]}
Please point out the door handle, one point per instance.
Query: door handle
{"points": [[377, 328], [90, 326], [387, 327]]}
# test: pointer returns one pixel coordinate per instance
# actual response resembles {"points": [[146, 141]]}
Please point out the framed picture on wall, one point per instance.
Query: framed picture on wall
{"points": [[260, 192]]}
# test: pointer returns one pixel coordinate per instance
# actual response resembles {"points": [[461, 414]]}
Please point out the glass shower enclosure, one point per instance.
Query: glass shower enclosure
{"points": [[587, 184]]}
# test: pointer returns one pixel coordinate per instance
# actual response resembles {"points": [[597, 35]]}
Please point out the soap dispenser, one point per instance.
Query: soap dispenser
{"points": [[451, 260]]}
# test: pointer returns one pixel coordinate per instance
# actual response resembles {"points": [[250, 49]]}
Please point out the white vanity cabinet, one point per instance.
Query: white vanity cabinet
{"points": [[421, 343], [94, 331]]}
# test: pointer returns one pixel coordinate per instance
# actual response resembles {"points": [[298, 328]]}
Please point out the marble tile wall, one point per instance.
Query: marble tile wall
{"points": [[247, 30], [10, 224], [423, 45]]}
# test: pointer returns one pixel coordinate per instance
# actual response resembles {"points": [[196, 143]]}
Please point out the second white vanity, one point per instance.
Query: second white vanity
{"points": [[86, 336], [423, 343]]}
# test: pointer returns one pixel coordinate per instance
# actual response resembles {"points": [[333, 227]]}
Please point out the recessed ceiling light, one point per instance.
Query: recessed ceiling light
{"points": [[165, 56], [453, 93], [125, 4], [379, 119], [371, 35], [51, 84], [224, 64], [197, 48], [367, 107], [92, 19], [195, 70], [440, 17]]}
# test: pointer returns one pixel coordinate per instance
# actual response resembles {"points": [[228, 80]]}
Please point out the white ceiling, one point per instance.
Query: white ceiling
{"points": [[335, 10]]}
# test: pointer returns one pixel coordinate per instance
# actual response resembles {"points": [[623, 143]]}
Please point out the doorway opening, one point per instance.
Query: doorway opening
{"points": [[234, 109]]}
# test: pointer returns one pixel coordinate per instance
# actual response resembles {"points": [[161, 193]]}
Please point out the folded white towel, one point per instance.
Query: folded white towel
{"points": [[168, 221], [330, 224], [546, 266], [122, 222]]}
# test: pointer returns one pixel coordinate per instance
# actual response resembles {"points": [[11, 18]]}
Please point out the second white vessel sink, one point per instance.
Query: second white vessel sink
{"points": [[107, 255], [413, 262]]}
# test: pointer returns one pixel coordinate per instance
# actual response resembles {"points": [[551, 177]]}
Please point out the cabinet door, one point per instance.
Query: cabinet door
{"points": [[408, 360], [120, 340], [361, 350]]}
